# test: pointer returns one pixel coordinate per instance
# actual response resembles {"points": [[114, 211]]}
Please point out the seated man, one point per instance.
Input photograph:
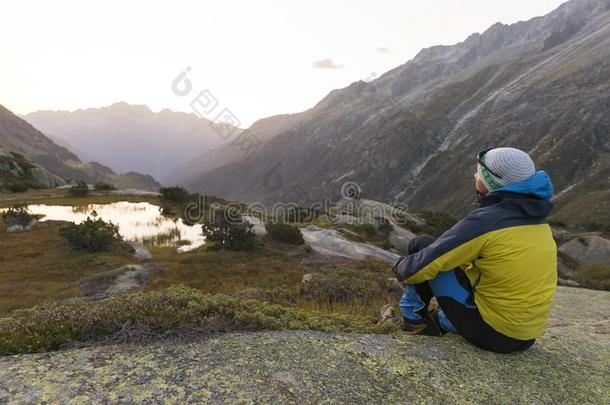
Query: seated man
{"points": [[494, 273]]}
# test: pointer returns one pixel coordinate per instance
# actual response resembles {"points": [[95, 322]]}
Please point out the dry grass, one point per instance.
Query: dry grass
{"points": [[63, 197], [224, 271], [39, 266]]}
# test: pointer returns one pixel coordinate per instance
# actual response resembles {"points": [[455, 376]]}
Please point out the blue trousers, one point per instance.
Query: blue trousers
{"points": [[458, 312], [446, 284]]}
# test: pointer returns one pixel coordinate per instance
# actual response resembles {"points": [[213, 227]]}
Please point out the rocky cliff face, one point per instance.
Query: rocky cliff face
{"points": [[19, 173], [412, 134]]}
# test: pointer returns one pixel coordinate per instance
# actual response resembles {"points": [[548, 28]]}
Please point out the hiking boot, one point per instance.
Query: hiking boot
{"points": [[427, 327]]}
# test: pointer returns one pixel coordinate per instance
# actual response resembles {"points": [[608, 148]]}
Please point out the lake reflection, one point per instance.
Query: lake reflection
{"points": [[141, 222]]}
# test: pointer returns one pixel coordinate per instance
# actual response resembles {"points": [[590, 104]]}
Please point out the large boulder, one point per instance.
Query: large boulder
{"points": [[587, 249], [330, 242], [562, 236], [563, 269], [568, 365]]}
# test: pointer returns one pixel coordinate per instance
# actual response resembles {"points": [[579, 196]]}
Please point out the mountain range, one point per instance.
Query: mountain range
{"points": [[129, 137], [31, 158], [411, 135], [408, 137]]}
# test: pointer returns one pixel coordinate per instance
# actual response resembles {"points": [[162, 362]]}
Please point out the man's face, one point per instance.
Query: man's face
{"points": [[478, 184]]}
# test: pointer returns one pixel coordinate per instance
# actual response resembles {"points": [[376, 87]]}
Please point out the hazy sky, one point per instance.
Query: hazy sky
{"points": [[258, 58]]}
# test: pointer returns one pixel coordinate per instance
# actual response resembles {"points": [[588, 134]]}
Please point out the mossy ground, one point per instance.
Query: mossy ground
{"points": [[569, 365]]}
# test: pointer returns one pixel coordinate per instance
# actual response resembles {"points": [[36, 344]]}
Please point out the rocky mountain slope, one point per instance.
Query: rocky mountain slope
{"points": [[19, 136], [130, 137], [233, 150], [411, 135], [570, 364], [17, 173]]}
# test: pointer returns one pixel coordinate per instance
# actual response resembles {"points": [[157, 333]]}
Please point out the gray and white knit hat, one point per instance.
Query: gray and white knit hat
{"points": [[503, 166]]}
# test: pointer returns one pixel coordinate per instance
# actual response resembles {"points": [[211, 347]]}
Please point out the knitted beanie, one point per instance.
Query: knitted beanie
{"points": [[505, 166]]}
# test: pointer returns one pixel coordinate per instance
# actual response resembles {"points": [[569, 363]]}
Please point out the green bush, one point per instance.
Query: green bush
{"points": [[594, 275], [18, 214], [94, 235], [144, 316], [104, 187], [18, 188], [79, 189], [174, 195], [348, 284], [228, 230], [284, 233]]}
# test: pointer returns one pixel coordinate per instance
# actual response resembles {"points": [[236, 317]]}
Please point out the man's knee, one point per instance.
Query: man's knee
{"points": [[419, 242]]}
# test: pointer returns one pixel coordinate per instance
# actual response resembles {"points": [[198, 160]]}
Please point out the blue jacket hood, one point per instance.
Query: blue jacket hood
{"points": [[539, 185]]}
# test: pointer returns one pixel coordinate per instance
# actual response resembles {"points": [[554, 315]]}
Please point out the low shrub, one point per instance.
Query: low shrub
{"points": [[104, 187], [79, 189], [18, 188], [94, 235], [144, 316], [174, 195], [593, 275], [347, 284], [284, 233], [228, 230], [18, 214]]}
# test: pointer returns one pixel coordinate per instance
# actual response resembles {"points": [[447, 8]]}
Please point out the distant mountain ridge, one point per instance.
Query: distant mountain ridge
{"points": [[19, 136], [129, 137], [411, 135]]}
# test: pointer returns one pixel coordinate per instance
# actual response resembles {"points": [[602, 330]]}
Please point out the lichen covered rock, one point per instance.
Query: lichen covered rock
{"points": [[569, 364]]}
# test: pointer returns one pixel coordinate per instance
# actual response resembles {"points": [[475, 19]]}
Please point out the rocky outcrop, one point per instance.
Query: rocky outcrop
{"points": [[568, 365], [331, 242], [22, 228], [17, 170], [123, 280], [587, 249]]}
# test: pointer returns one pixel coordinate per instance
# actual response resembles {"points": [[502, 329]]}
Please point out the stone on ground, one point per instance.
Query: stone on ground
{"points": [[570, 364]]}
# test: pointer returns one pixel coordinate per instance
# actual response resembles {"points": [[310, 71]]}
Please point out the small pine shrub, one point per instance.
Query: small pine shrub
{"points": [[345, 285], [18, 214], [228, 231], [284, 233], [80, 189], [104, 187], [94, 235], [17, 188], [174, 195]]}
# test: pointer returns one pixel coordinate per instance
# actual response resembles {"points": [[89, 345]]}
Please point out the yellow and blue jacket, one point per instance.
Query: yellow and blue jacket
{"points": [[507, 250]]}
